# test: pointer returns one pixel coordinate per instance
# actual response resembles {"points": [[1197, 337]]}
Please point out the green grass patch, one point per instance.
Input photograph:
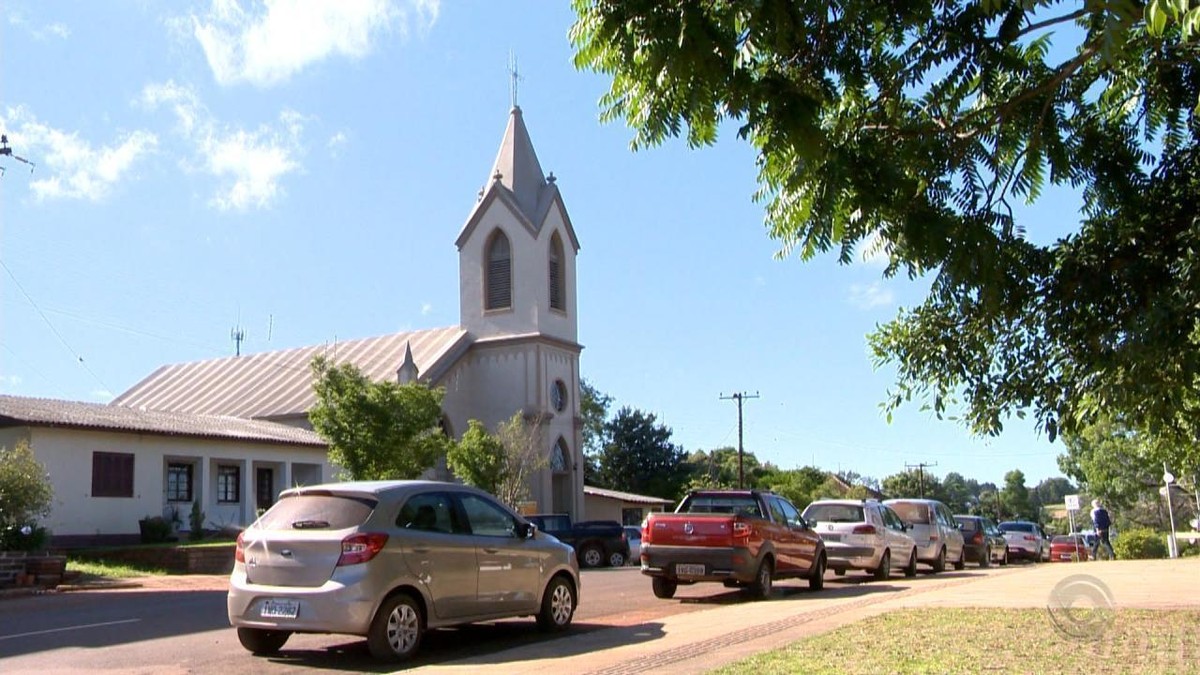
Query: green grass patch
{"points": [[948, 640], [91, 570]]}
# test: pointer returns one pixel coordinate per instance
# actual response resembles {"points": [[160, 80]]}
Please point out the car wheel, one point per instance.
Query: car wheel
{"points": [[962, 559], [261, 640], [616, 559], [761, 586], [1004, 560], [939, 565], [885, 567], [911, 569], [591, 556], [817, 581], [396, 631], [663, 588], [985, 558], [558, 606]]}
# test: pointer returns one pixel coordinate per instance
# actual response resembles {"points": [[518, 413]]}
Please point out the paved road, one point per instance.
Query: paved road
{"points": [[178, 624]]}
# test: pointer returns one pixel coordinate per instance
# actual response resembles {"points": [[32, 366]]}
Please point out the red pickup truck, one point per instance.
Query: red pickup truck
{"points": [[744, 538]]}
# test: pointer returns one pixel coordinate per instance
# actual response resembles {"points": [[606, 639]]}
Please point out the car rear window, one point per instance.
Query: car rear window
{"points": [[968, 524], [1067, 539], [911, 512], [317, 512], [834, 513], [745, 505], [1016, 527]]}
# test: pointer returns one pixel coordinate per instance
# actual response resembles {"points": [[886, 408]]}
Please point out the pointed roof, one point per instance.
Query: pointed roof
{"points": [[518, 167]]}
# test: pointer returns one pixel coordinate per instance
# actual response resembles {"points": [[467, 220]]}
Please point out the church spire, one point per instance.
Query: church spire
{"points": [[517, 165]]}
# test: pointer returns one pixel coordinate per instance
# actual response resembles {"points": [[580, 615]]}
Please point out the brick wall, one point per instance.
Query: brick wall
{"points": [[43, 568]]}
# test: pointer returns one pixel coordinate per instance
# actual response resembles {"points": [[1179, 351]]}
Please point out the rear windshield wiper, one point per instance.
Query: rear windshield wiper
{"points": [[310, 524]]}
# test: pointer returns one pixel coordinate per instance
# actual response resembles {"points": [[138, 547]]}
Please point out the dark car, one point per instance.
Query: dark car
{"points": [[597, 542], [983, 542]]}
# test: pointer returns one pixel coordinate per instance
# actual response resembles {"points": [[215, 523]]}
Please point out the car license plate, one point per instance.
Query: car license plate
{"points": [[689, 570], [831, 537], [280, 609], [1064, 556]]}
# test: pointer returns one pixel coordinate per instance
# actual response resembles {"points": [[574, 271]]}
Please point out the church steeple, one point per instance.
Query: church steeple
{"points": [[517, 166]]}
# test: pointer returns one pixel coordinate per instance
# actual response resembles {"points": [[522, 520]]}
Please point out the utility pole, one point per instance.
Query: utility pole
{"points": [[237, 335], [920, 467], [739, 397]]}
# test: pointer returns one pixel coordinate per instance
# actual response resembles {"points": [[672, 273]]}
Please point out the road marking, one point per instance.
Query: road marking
{"points": [[59, 630]]}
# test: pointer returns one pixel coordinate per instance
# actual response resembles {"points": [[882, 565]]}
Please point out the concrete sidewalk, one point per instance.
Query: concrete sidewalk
{"points": [[699, 641]]}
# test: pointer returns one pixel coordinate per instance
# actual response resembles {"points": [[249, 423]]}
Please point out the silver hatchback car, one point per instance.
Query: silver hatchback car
{"points": [[390, 559]]}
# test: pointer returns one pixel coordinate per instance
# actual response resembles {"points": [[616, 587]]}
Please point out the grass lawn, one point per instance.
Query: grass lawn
{"points": [[946, 640], [100, 569]]}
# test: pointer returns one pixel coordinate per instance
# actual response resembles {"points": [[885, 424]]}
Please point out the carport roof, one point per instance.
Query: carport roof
{"points": [[624, 496]]}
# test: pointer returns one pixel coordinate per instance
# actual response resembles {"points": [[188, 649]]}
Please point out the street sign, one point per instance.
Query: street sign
{"points": [[1072, 502]]}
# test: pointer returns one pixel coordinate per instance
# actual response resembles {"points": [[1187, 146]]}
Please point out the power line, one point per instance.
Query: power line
{"points": [[739, 396], [54, 330]]}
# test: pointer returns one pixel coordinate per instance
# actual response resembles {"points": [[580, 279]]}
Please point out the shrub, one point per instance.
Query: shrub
{"points": [[1140, 544], [24, 538], [196, 522], [155, 529], [25, 491]]}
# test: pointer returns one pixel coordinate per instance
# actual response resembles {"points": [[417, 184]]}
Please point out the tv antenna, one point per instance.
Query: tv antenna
{"points": [[5, 150], [237, 335]]}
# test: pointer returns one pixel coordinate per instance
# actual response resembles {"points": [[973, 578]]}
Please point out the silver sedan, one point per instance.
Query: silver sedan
{"points": [[390, 559]]}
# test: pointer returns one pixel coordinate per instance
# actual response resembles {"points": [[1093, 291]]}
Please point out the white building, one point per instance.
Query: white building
{"points": [[515, 350]]}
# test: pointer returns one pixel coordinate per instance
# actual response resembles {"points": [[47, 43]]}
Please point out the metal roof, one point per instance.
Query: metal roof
{"points": [[42, 412], [279, 383], [624, 496]]}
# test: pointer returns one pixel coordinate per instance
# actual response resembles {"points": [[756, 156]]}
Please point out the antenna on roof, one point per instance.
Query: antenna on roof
{"points": [[237, 335], [270, 325]]}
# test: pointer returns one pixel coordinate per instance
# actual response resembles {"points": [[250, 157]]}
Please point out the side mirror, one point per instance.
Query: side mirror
{"points": [[525, 530]]}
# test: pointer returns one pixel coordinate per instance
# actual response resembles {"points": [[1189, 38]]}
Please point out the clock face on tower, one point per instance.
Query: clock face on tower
{"points": [[558, 396]]}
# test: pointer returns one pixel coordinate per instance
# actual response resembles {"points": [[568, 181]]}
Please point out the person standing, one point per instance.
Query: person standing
{"points": [[1101, 521]]}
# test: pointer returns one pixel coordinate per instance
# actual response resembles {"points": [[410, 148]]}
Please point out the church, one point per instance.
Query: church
{"points": [[232, 432]]}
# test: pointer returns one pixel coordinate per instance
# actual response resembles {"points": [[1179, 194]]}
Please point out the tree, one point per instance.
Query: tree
{"points": [[1015, 496], [639, 457], [800, 486], [719, 468], [911, 131], [478, 458], [26, 494], [376, 430], [1112, 462], [913, 483], [957, 492], [1052, 491], [593, 411]]}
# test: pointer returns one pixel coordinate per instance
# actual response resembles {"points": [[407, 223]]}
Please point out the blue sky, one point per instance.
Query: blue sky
{"points": [[301, 170]]}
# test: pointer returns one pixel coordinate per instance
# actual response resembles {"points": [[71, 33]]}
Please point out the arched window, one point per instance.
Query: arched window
{"points": [[498, 273], [558, 457], [558, 285]]}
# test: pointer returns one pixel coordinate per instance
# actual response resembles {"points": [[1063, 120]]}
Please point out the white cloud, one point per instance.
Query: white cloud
{"points": [[868, 296], [10, 381], [249, 164], [102, 395], [426, 309], [335, 144], [58, 30], [269, 45], [69, 167]]}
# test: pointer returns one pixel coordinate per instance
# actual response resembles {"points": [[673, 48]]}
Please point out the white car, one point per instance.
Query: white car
{"points": [[633, 534], [862, 535], [1026, 540], [932, 526]]}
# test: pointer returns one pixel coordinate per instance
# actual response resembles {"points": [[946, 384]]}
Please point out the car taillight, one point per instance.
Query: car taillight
{"points": [[978, 538], [1030, 537], [239, 553], [359, 548], [741, 531], [863, 529]]}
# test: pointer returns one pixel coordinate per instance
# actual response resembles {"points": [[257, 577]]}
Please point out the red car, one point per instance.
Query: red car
{"points": [[1069, 548]]}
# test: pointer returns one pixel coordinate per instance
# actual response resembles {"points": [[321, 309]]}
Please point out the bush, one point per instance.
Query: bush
{"points": [[25, 538], [1140, 544], [196, 522], [155, 529], [25, 491]]}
